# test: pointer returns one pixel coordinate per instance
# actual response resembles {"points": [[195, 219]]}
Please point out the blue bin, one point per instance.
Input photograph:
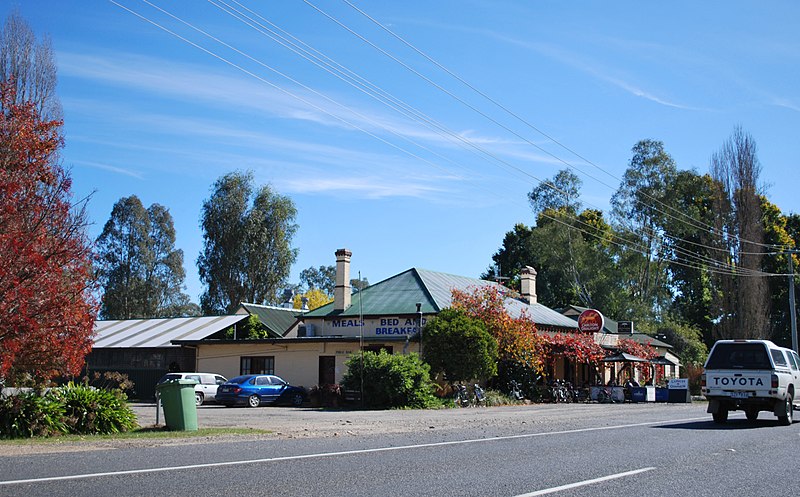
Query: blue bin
{"points": [[662, 395]]}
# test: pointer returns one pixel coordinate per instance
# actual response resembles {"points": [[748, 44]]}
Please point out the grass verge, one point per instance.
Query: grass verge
{"points": [[143, 433]]}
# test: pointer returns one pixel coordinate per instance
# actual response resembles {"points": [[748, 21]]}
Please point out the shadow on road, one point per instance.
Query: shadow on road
{"points": [[732, 424]]}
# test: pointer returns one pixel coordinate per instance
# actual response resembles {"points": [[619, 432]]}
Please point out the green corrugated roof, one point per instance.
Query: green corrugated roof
{"points": [[277, 320], [399, 294], [393, 296]]}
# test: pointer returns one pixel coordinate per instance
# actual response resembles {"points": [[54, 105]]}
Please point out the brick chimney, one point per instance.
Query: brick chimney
{"points": [[528, 284], [341, 294]]}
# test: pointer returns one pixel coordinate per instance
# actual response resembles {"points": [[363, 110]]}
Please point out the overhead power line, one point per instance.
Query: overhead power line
{"points": [[703, 265], [682, 216]]}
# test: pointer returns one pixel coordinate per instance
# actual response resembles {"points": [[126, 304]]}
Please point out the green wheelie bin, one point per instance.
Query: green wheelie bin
{"points": [[177, 399]]}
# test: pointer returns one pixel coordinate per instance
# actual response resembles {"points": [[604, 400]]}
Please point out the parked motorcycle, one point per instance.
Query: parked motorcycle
{"points": [[478, 396], [460, 395]]}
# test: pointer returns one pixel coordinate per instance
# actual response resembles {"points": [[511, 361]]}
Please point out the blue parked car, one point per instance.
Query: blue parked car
{"points": [[258, 389]]}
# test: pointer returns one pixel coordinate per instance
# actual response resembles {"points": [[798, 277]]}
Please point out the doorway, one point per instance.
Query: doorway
{"points": [[327, 370]]}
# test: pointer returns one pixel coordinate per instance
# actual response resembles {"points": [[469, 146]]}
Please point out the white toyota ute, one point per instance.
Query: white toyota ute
{"points": [[751, 376]]}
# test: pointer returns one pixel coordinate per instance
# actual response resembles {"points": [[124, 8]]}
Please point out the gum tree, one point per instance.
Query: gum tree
{"points": [[138, 266], [247, 238]]}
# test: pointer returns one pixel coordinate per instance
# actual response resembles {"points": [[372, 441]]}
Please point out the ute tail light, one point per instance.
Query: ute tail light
{"points": [[775, 381], [703, 380]]}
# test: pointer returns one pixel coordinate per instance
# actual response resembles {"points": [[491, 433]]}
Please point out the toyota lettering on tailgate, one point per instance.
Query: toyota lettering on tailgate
{"points": [[738, 381]]}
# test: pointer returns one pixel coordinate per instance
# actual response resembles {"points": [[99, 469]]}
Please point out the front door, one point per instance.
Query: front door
{"points": [[327, 370]]}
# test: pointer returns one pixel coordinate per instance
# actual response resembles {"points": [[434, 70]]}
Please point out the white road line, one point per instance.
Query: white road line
{"points": [[334, 454], [585, 482]]}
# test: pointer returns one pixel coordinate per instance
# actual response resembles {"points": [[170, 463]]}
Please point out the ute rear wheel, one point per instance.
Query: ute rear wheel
{"points": [[721, 416], [788, 411]]}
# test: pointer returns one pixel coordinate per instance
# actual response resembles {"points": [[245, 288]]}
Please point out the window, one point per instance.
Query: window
{"points": [[778, 358], [796, 359], [257, 365], [739, 356], [377, 348]]}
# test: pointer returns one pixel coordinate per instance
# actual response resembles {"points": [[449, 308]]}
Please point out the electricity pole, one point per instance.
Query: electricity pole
{"points": [[793, 314]]}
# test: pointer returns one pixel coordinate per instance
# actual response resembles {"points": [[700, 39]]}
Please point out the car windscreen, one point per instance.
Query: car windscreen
{"points": [[739, 356]]}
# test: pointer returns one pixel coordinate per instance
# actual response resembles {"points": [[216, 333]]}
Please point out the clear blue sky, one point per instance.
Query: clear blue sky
{"points": [[148, 113]]}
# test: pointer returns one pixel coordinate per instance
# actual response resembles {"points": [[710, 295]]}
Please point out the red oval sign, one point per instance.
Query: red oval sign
{"points": [[591, 321]]}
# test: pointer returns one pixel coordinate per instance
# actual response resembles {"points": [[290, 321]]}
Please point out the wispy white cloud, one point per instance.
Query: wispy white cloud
{"points": [[570, 59], [189, 83], [107, 167], [235, 94], [595, 70], [370, 187], [786, 103], [295, 165]]}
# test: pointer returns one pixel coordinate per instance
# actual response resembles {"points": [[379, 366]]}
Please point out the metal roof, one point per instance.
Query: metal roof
{"points": [[278, 320], [645, 339], [149, 333], [396, 295], [399, 294]]}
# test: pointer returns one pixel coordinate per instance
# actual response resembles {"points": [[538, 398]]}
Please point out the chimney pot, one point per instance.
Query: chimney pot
{"points": [[528, 284], [342, 292]]}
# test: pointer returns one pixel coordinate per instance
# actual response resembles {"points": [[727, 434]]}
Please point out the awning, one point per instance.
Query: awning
{"points": [[662, 361], [624, 357]]}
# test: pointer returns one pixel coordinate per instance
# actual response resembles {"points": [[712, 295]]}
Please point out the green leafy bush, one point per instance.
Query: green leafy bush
{"points": [[390, 380], [30, 414], [90, 410], [72, 409], [459, 346]]}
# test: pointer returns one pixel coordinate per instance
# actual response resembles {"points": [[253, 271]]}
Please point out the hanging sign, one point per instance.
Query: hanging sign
{"points": [[591, 321]]}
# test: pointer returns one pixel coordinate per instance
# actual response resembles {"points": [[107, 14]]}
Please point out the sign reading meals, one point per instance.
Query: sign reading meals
{"points": [[383, 326]]}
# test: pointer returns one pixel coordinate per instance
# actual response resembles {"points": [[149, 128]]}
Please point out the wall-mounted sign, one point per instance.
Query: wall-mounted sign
{"points": [[382, 326], [625, 327], [591, 321]]}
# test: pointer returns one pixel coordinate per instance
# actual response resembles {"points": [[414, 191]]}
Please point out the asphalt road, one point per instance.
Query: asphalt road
{"points": [[566, 450]]}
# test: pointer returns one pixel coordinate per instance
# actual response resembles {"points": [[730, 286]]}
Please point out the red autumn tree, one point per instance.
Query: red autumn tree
{"points": [[645, 351], [579, 347], [47, 312], [517, 340]]}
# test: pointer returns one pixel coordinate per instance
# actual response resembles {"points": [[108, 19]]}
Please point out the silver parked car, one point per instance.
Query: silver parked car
{"points": [[207, 384]]}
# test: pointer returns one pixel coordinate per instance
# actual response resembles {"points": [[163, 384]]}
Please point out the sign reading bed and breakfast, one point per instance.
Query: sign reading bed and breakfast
{"points": [[393, 326]]}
